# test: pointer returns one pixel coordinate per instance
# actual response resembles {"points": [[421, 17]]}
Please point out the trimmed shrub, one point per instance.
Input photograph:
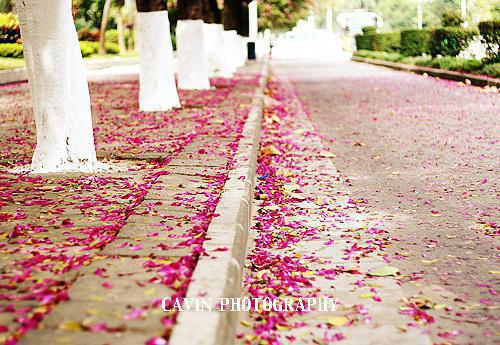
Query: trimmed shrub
{"points": [[450, 41], [112, 36], [369, 30], [86, 34], [451, 18], [9, 28], [112, 48], [415, 42], [93, 48], [363, 42], [492, 70], [490, 33], [13, 50], [387, 42], [88, 48]]}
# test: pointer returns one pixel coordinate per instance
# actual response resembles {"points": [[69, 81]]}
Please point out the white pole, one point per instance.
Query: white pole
{"points": [[59, 90], [253, 21], [419, 14], [329, 18]]}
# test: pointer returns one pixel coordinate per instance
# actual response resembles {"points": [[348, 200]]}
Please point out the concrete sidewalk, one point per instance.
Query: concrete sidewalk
{"points": [[89, 258]]}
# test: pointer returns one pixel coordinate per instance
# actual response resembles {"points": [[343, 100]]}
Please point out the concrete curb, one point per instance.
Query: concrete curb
{"points": [[19, 74], [474, 79], [219, 274]]}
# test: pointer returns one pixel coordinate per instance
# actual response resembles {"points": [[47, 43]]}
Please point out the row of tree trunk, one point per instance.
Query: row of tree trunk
{"points": [[59, 86]]}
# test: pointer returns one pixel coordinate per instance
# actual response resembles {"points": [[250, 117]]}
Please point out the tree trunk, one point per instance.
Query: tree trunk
{"points": [[235, 16], [214, 46], [120, 29], [208, 10], [59, 90], [104, 24], [193, 59], [157, 91]]}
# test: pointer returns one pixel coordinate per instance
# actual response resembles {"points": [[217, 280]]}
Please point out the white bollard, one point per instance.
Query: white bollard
{"points": [[193, 60], [59, 90], [157, 80]]}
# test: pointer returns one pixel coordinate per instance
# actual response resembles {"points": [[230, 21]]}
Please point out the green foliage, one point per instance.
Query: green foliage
{"points": [[447, 62], [451, 18], [492, 70], [416, 60], [387, 42], [363, 42], [415, 42], [369, 30], [9, 28], [174, 40], [456, 64], [490, 36], [88, 13], [88, 48], [112, 48], [450, 41], [379, 55], [282, 14], [13, 50], [112, 36]]}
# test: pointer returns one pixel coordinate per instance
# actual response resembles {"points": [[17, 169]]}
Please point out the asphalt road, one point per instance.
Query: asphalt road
{"points": [[423, 152]]}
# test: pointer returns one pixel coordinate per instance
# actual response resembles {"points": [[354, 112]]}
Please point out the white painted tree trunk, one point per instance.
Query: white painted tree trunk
{"points": [[193, 59], [229, 62], [214, 43], [157, 90], [59, 90]]}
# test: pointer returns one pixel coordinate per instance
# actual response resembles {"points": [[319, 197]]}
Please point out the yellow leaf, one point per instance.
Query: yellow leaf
{"points": [[71, 326], [282, 328], [429, 262], [271, 150], [494, 272], [366, 295], [384, 271], [245, 323], [337, 321], [327, 154]]}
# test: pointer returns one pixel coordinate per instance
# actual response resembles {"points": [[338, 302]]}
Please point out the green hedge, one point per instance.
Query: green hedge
{"points": [[13, 50], [89, 48], [453, 64], [363, 42], [490, 33], [112, 36], [415, 42], [492, 70], [386, 42], [450, 41]]}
